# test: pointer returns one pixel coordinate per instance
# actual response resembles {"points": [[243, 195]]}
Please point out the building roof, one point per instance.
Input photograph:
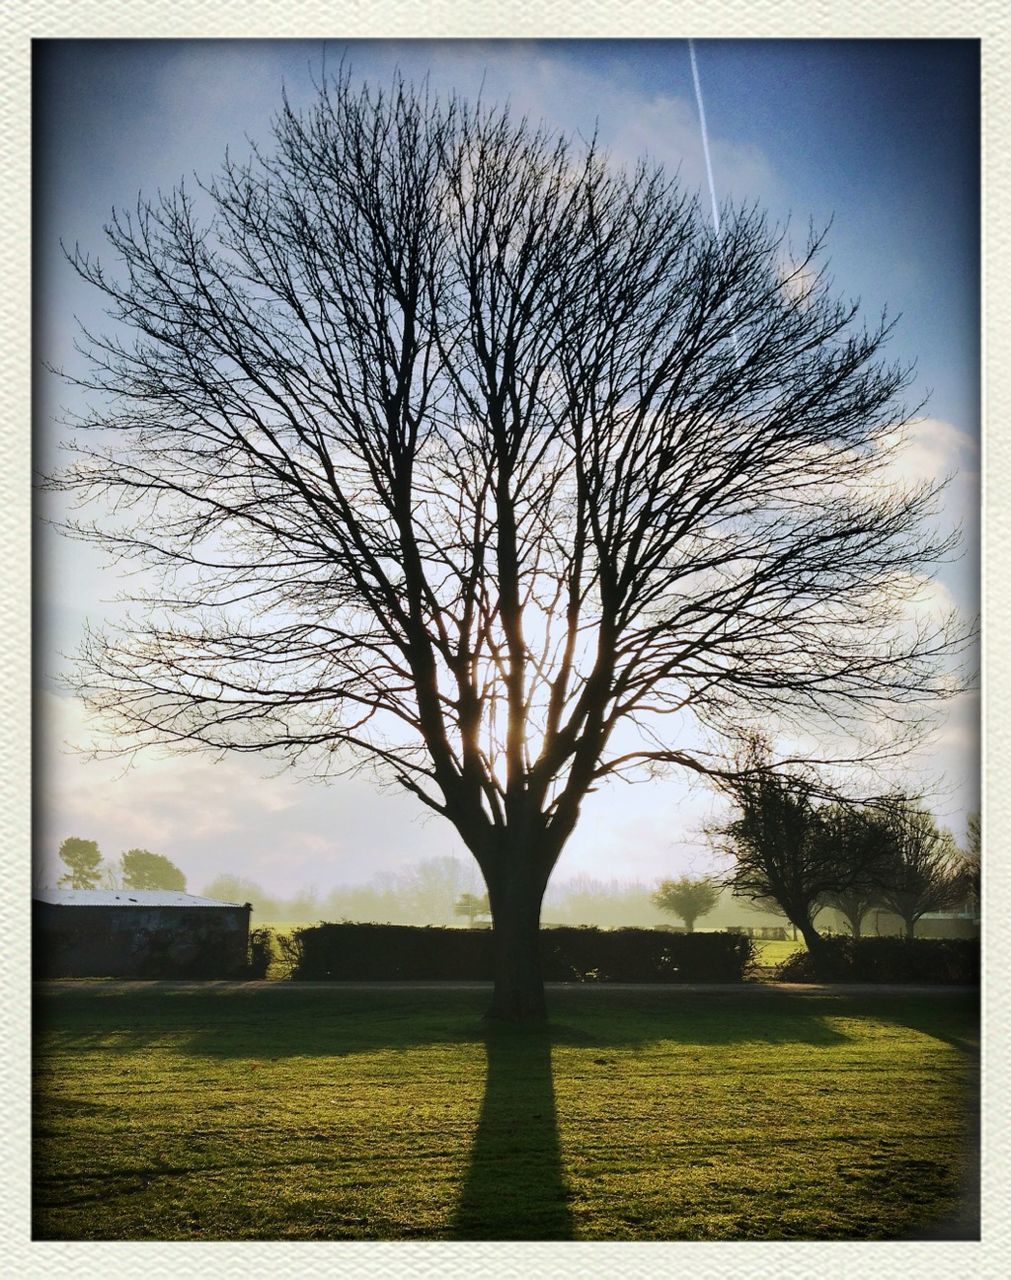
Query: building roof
{"points": [[125, 898]]}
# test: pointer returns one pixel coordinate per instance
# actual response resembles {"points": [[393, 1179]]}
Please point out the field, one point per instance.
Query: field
{"points": [[769, 955], [280, 1111]]}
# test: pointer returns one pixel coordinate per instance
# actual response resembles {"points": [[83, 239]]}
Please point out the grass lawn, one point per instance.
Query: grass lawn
{"points": [[281, 1111], [770, 955]]}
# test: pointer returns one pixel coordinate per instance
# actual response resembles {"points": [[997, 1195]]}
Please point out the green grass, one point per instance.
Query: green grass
{"points": [[279, 967], [298, 1112], [769, 955]]}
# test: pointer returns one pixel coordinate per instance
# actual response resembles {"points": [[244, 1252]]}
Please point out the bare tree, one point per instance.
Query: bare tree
{"points": [[460, 449], [110, 876], [973, 845], [856, 837], [687, 898], [971, 867], [923, 871], [789, 849], [852, 904], [776, 854]]}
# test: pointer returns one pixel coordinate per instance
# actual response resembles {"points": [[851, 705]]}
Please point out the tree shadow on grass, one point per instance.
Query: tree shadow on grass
{"points": [[942, 1016], [304, 1020], [513, 1186]]}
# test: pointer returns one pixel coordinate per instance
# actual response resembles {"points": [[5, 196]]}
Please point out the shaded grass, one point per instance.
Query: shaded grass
{"points": [[290, 1112]]}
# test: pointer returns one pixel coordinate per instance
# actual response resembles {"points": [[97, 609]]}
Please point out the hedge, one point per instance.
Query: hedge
{"points": [[262, 952], [643, 955], [383, 953], [931, 960]]}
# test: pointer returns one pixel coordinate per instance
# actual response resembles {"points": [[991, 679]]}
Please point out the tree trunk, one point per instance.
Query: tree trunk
{"points": [[515, 894], [812, 938], [815, 944]]}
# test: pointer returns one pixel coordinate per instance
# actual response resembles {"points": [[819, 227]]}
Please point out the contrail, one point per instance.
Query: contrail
{"points": [[709, 170], [705, 136]]}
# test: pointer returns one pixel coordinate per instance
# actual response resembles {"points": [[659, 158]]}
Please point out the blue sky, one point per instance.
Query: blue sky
{"points": [[881, 137]]}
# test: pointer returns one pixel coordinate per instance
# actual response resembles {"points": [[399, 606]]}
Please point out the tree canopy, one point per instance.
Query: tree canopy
{"points": [[688, 897], [84, 862], [857, 836], [465, 453], [923, 870], [145, 870], [790, 849]]}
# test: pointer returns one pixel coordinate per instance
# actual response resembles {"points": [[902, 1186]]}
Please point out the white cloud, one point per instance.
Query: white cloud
{"points": [[932, 450], [797, 280]]}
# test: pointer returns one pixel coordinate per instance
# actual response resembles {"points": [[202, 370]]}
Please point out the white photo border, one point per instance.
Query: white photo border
{"points": [[23, 21]]}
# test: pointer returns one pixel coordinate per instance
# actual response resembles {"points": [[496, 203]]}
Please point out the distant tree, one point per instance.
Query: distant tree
{"points": [[145, 870], [111, 876], [231, 888], [303, 907], [973, 843], [40, 875], [84, 860], [787, 848], [471, 906], [856, 837], [971, 869], [921, 870], [607, 904], [687, 897], [432, 887], [374, 902], [852, 904]]}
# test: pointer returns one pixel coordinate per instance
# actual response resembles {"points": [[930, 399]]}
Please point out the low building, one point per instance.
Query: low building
{"points": [[934, 924], [132, 933]]}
